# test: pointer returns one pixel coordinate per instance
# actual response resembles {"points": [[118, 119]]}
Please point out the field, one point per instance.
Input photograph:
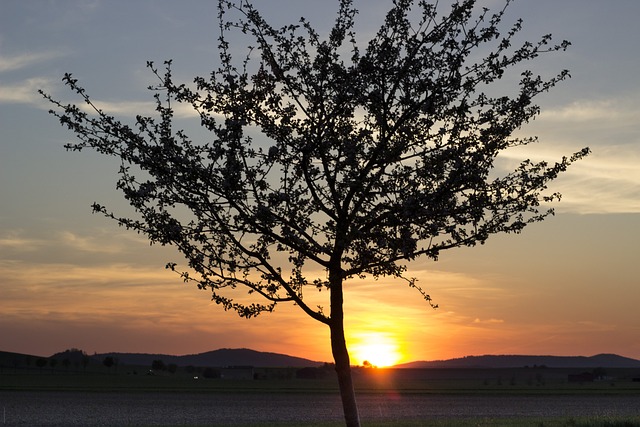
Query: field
{"points": [[276, 408], [97, 396]]}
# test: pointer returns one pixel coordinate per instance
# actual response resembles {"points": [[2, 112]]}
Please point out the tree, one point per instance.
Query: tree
{"points": [[53, 363], [158, 365], [85, 361], [599, 373], [371, 158], [367, 364], [109, 361], [41, 363]]}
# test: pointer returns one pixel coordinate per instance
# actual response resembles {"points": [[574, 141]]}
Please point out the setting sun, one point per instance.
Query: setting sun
{"points": [[376, 348]]}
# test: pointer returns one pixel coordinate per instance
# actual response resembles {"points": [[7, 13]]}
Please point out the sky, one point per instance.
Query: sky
{"points": [[70, 279]]}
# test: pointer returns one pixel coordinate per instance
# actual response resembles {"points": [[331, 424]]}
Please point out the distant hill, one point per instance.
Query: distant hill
{"points": [[218, 358], [518, 361], [245, 357]]}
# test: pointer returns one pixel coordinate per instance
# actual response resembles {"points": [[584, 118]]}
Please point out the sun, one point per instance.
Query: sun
{"points": [[378, 349]]}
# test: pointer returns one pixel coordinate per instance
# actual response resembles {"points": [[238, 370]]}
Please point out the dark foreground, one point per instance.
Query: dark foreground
{"points": [[48, 408]]}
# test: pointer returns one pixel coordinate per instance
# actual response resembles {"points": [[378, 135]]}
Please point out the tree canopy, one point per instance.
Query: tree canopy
{"points": [[370, 157]]}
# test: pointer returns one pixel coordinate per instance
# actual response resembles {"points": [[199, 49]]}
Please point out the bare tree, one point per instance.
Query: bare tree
{"points": [[371, 157]]}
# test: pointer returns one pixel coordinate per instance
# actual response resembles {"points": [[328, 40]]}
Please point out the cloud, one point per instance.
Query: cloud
{"points": [[608, 180], [25, 92], [96, 243], [605, 182], [128, 108], [65, 276], [118, 291], [600, 184], [478, 321], [612, 112], [15, 241], [17, 62], [143, 108]]}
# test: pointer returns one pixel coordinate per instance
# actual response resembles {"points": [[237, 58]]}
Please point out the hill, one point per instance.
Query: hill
{"points": [[221, 358], [519, 361], [245, 357]]}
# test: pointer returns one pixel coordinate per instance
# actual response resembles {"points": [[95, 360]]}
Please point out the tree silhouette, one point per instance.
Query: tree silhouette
{"points": [[109, 361], [41, 363], [158, 365], [53, 363], [369, 157], [85, 361]]}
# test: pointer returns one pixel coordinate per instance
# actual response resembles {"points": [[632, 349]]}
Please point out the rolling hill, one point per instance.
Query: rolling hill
{"points": [[218, 358], [245, 357], [519, 361]]}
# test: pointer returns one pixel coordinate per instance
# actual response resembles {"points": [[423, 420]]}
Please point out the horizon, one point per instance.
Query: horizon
{"points": [[69, 278], [324, 361]]}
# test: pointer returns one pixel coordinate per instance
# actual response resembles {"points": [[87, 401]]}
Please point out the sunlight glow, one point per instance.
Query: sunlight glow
{"points": [[378, 349]]}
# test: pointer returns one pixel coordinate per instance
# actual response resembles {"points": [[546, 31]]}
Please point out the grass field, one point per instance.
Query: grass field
{"points": [[388, 397], [437, 381]]}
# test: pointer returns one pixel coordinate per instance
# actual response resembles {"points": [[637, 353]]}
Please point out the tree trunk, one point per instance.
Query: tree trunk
{"points": [[341, 355], [343, 369]]}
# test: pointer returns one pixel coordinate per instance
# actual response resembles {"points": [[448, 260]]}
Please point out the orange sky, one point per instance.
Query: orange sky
{"points": [[539, 293], [568, 286]]}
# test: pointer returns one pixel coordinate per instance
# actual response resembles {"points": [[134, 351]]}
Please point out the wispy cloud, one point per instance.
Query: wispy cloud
{"points": [[144, 108], [15, 240], [608, 180], [612, 112], [95, 243], [74, 292], [491, 321], [99, 241], [17, 62], [26, 92], [127, 108]]}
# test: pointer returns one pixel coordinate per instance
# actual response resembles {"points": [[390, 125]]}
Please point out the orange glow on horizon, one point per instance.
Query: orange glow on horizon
{"points": [[377, 348]]}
